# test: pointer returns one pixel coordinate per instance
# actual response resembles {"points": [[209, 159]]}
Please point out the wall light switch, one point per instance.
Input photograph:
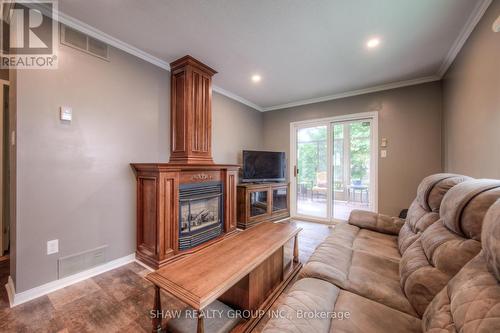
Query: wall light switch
{"points": [[383, 153], [52, 246], [66, 113], [383, 143]]}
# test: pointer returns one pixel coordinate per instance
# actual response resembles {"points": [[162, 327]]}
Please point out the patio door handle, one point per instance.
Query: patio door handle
{"points": [[295, 171]]}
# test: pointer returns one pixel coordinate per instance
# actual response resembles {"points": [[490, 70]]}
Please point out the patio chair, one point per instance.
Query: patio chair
{"points": [[321, 185]]}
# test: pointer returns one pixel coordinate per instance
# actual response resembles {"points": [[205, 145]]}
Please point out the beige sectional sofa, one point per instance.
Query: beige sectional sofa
{"points": [[387, 280]]}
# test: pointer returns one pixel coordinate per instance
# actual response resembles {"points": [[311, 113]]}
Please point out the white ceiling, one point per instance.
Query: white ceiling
{"points": [[305, 51]]}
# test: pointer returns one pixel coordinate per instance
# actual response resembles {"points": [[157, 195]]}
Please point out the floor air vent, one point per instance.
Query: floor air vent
{"points": [[82, 42], [82, 261]]}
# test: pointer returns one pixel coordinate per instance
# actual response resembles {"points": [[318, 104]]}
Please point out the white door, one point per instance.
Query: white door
{"points": [[334, 167]]}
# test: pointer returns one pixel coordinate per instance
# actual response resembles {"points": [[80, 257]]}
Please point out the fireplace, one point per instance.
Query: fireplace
{"points": [[189, 202], [200, 213]]}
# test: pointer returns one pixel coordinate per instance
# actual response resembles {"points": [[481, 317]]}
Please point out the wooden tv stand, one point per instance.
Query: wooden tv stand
{"points": [[259, 202]]}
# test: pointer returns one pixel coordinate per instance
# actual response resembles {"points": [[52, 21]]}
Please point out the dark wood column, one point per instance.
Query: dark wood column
{"points": [[191, 112]]}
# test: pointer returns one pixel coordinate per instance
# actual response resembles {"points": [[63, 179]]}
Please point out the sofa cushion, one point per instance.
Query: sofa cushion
{"points": [[368, 316], [378, 244], [447, 245], [365, 240], [373, 277], [330, 262], [343, 234], [424, 210], [471, 300], [314, 305], [306, 295], [377, 278], [376, 222], [491, 239]]}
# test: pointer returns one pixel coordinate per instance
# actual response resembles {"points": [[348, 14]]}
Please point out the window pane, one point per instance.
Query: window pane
{"points": [[312, 184]]}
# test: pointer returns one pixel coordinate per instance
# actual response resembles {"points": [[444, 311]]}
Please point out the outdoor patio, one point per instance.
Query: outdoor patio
{"points": [[317, 208]]}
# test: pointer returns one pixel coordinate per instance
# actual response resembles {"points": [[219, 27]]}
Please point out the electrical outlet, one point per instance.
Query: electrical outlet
{"points": [[52, 246]]}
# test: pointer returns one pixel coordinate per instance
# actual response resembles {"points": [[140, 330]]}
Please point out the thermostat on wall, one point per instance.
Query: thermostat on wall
{"points": [[66, 113]]}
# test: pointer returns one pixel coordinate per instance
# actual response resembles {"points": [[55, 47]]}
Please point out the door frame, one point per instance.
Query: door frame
{"points": [[3, 226], [373, 116]]}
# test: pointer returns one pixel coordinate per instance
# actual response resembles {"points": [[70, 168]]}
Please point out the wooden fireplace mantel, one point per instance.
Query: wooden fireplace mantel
{"points": [[190, 162], [158, 206]]}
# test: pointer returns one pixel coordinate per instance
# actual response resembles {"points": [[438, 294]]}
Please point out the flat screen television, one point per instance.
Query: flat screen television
{"points": [[263, 166]]}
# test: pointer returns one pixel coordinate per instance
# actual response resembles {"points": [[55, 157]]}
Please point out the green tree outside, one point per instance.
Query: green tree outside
{"points": [[312, 153]]}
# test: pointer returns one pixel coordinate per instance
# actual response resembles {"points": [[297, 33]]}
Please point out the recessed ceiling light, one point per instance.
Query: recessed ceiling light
{"points": [[374, 42], [256, 78]]}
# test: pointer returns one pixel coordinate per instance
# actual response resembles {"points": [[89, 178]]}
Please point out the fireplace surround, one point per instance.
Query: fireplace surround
{"points": [[172, 217]]}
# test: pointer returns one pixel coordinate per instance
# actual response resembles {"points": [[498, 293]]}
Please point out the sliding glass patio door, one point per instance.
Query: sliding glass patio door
{"points": [[334, 168]]}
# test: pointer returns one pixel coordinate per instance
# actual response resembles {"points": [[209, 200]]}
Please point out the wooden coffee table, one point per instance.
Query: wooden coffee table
{"points": [[247, 271]]}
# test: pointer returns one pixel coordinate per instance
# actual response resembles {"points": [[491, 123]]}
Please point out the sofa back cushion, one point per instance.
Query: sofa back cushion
{"points": [[424, 210], [471, 300], [447, 245]]}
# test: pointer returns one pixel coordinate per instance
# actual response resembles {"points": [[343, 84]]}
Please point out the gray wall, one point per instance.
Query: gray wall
{"points": [[410, 118], [236, 127], [471, 103], [74, 180]]}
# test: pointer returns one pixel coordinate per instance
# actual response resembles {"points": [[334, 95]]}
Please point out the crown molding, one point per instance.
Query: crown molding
{"points": [[110, 40], [474, 18], [356, 92], [237, 98], [469, 26]]}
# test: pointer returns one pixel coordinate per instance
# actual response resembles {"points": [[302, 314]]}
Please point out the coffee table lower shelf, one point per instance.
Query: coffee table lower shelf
{"points": [[248, 325]]}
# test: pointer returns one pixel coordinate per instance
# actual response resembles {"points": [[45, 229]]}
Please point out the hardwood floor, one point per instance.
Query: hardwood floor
{"points": [[4, 276], [118, 300]]}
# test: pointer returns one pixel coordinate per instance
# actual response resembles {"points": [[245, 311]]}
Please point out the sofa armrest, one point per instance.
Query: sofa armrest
{"points": [[376, 222]]}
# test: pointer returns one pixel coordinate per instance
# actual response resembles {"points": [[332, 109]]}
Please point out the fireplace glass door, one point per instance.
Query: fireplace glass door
{"points": [[200, 214]]}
